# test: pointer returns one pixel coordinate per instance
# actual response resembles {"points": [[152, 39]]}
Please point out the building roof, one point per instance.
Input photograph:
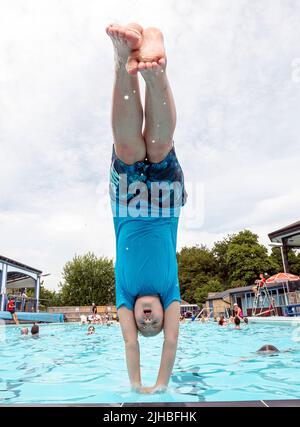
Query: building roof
{"points": [[291, 234], [242, 289], [19, 264]]}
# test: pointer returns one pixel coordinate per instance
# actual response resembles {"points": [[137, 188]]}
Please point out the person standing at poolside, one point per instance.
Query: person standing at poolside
{"points": [[237, 311], [145, 218], [94, 310], [11, 307], [24, 297]]}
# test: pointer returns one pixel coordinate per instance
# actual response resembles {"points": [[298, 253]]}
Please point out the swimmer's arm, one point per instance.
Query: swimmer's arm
{"points": [[171, 331], [132, 348]]}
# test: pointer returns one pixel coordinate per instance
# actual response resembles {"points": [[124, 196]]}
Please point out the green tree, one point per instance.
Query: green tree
{"points": [[47, 297], [196, 266], [220, 250], [88, 279], [293, 260], [246, 258], [201, 293]]}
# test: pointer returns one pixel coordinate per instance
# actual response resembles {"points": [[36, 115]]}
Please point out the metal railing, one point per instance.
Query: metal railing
{"points": [[27, 304]]}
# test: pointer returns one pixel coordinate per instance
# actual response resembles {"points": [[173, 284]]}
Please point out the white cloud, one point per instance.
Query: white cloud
{"points": [[231, 65]]}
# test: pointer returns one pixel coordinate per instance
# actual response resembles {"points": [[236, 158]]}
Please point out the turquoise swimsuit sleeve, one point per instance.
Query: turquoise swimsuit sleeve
{"points": [[172, 294], [123, 298]]}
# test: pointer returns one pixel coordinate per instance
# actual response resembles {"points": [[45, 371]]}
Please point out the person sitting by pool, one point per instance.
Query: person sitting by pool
{"points": [[90, 318], [11, 307], [237, 311], [35, 331], [91, 330], [83, 319], [237, 322], [98, 319], [222, 321], [24, 331], [145, 163]]}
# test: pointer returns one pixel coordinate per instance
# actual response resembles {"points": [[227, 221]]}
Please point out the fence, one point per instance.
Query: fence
{"points": [[72, 314]]}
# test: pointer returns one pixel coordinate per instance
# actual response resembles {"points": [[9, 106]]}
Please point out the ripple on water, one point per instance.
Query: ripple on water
{"points": [[212, 363]]}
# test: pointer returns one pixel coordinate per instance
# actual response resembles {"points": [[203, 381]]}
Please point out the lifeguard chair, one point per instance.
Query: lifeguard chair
{"points": [[262, 295]]}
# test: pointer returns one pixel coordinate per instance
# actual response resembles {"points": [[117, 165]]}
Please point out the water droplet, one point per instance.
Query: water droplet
{"points": [[153, 141], [134, 91], [127, 249], [162, 71], [126, 97], [165, 103]]}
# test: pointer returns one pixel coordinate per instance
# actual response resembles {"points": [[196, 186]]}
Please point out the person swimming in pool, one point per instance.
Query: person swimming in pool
{"points": [[35, 331], [237, 322], [268, 349], [91, 330], [147, 192]]}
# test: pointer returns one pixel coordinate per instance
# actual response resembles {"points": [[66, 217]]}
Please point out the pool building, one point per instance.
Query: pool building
{"points": [[15, 279], [284, 295]]}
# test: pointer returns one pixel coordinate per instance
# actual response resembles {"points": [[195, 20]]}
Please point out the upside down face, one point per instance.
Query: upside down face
{"points": [[149, 315]]}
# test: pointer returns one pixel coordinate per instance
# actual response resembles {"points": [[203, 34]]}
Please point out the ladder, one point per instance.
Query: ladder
{"points": [[262, 295]]}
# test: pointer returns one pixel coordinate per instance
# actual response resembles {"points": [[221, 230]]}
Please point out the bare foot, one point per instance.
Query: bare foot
{"points": [[127, 40], [151, 55]]}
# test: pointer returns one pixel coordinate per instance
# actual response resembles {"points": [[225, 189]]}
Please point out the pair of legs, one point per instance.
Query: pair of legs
{"points": [[141, 51], [15, 318]]}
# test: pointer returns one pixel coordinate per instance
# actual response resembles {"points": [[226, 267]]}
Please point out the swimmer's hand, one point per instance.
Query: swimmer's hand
{"points": [[152, 390]]}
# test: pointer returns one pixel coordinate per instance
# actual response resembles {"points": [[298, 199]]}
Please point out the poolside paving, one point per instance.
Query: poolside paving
{"points": [[242, 404]]}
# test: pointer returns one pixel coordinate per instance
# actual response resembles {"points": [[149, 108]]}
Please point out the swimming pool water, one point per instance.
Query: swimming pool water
{"points": [[213, 364]]}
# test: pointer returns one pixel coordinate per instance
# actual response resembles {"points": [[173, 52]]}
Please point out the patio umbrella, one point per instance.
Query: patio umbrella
{"points": [[282, 277]]}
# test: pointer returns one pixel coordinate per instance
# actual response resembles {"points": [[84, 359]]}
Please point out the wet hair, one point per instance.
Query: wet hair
{"points": [[222, 320], [237, 320], [91, 328], [268, 347], [24, 331], [246, 320], [35, 330], [149, 332]]}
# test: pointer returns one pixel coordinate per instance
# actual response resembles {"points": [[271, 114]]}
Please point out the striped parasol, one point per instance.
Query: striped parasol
{"points": [[282, 277]]}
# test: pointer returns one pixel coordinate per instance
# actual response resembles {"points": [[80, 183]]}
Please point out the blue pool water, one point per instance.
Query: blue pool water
{"points": [[213, 364]]}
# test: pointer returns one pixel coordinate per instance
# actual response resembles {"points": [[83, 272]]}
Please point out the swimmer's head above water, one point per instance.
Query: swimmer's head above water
{"points": [[149, 315], [268, 349]]}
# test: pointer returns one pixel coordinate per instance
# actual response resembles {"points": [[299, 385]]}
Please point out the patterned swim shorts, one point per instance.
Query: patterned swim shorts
{"points": [[147, 189]]}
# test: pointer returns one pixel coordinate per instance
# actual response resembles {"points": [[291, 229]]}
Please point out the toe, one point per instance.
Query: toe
{"points": [[162, 62], [136, 27], [120, 33], [141, 66], [132, 36], [148, 65], [132, 65], [154, 65]]}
